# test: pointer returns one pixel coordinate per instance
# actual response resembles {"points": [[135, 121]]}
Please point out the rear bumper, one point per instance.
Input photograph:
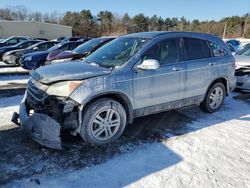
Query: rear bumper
{"points": [[40, 127]]}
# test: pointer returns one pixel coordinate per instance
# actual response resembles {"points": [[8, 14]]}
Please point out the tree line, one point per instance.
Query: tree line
{"points": [[84, 23]]}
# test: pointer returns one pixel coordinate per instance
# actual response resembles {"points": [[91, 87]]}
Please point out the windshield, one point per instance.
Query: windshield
{"points": [[88, 46], [22, 44], [245, 51], [117, 52]]}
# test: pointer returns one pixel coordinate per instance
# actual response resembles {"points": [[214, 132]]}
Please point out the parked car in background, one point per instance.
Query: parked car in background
{"points": [[36, 59], [13, 40], [232, 48], [242, 71], [21, 45], [64, 46], [12, 57], [42, 39], [236, 44], [134, 75], [81, 51], [66, 39], [60, 39]]}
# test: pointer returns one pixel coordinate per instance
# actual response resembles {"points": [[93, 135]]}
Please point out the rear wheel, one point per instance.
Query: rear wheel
{"points": [[214, 99], [103, 121]]}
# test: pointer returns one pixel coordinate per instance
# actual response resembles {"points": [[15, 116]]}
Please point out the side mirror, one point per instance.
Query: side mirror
{"points": [[149, 64], [35, 48]]}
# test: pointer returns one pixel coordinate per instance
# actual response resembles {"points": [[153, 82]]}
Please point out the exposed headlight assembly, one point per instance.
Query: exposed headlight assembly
{"points": [[63, 89]]}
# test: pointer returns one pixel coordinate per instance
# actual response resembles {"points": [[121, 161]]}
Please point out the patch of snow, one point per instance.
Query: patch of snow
{"points": [[8, 105], [214, 152], [13, 70], [14, 77]]}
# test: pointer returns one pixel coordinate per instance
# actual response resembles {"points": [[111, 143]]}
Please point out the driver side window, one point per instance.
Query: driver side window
{"points": [[165, 51]]}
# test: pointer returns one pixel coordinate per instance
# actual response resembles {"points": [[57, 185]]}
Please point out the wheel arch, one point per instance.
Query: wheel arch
{"points": [[222, 80], [120, 97]]}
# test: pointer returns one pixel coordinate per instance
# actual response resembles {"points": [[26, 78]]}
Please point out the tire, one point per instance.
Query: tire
{"points": [[104, 121], [214, 99]]}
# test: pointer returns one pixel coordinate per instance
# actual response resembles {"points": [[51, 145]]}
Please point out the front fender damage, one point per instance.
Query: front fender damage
{"points": [[44, 130]]}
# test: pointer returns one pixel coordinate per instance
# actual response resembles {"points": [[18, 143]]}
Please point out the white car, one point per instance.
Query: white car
{"points": [[242, 69]]}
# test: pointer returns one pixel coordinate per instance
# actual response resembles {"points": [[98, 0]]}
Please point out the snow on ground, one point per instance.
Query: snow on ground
{"points": [[14, 77], [2, 63], [13, 70], [8, 105], [14, 80], [212, 151]]}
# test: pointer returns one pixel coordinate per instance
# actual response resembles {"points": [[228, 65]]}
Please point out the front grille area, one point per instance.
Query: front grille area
{"points": [[36, 93], [53, 106]]}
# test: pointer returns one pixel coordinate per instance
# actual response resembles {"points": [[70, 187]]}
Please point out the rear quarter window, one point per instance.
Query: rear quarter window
{"points": [[196, 49], [217, 50]]}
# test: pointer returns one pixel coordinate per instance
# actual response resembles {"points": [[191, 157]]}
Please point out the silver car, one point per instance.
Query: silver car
{"points": [[134, 75], [242, 71]]}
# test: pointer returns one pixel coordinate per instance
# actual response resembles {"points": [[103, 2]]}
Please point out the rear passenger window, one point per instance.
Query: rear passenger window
{"points": [[196, 48], [217, 51], [165, 51]]}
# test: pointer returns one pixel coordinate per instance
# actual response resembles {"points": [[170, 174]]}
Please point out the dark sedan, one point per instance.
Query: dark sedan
{"points": [[81, 51], [21, 45], [12, 57], [13, 40], [64, 46], [36, 59]]}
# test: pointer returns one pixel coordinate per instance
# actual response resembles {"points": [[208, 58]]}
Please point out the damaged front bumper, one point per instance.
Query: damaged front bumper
{"points": [[40, 127], [243, 79]]}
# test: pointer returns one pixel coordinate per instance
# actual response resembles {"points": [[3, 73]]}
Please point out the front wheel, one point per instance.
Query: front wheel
{"points": [[103, 121], [214, 99]]}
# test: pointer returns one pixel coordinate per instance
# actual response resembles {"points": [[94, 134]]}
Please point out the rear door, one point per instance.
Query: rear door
{"points": [[198, 72]]}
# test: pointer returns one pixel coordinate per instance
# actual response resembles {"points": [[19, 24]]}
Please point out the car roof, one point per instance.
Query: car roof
{"points": [[155, 34]]}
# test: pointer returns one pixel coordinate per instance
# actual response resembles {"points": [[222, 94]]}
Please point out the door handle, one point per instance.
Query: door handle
{"points": [[175, 69], [211, 64]]}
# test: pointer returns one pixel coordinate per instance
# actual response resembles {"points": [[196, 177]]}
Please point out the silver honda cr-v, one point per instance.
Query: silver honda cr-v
{"points": [[132, 76]]}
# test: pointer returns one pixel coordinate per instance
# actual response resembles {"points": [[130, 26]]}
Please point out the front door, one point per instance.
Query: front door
{"points": [[159, 89], [168, 79]]}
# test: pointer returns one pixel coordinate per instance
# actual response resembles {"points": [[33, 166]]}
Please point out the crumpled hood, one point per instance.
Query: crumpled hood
{"points": [[242, 61], [67, 71]]}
